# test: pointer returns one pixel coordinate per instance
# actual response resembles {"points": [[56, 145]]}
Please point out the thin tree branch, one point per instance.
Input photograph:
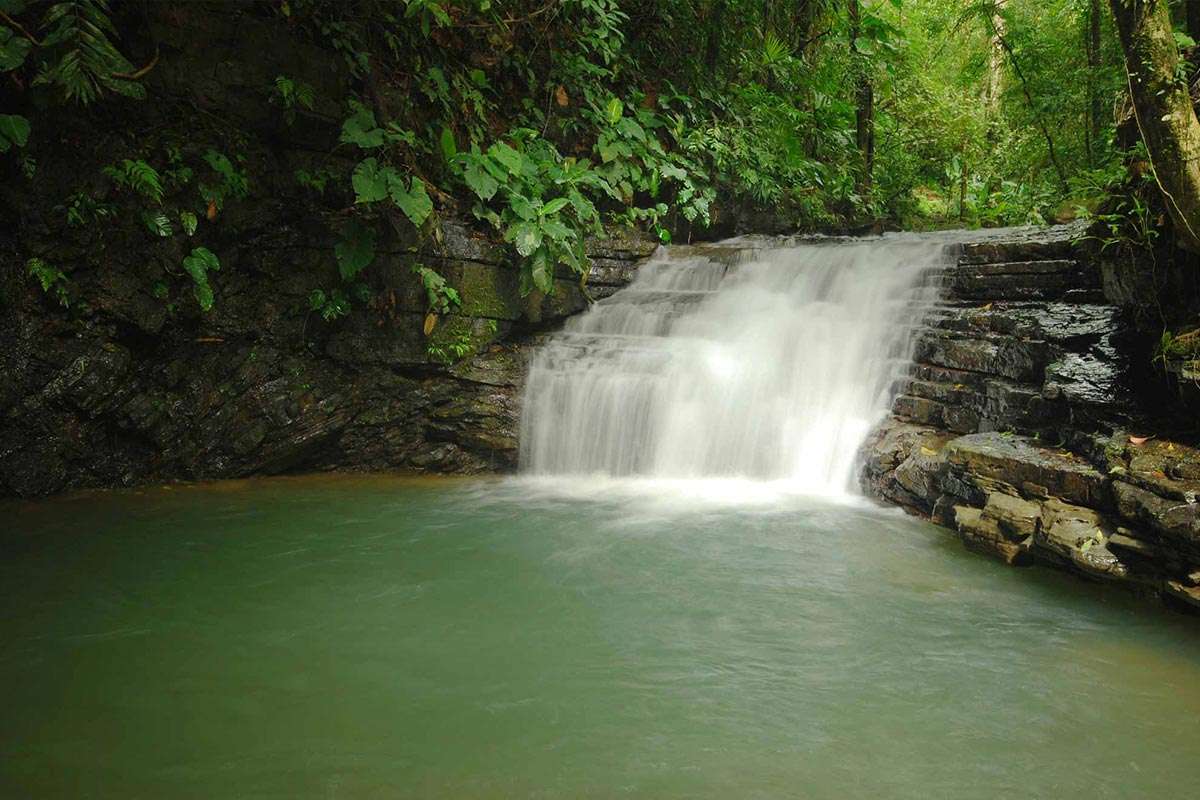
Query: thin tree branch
{"points": [[19, 27], [141, 73]]}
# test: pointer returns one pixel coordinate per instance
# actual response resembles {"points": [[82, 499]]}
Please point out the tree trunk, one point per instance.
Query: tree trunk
{"points": [[712, 49], [995, 82], [1163, 109], [1193, 19], [864, 95], [1094, 61]]}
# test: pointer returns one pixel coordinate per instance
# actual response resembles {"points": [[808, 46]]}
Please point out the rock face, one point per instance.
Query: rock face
{"points": [[134, 383], [262, 385], [1013, 428]]}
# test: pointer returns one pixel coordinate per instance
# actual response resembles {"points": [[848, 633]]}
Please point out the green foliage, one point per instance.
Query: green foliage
{"points": [[315, 180], [198, 264], [50, 278], [226, 180], [293, 94], [14, 131], [453, 347], [356, 249], [536, 199], [331, 305], [549, 121], [188, 222], [13, 49], [139, 177], [82, 209], [442, 298], [85, 62]]}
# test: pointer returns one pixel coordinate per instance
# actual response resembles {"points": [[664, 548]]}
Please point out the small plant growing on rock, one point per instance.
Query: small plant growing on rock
{"points": [[292, 94], [440, 297], [51, 279]]}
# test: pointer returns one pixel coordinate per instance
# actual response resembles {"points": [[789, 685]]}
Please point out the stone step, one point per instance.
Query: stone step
{"points": [[1030, 244], [997, 405], [1020, 360], [1030, 280], [1050, 267]]}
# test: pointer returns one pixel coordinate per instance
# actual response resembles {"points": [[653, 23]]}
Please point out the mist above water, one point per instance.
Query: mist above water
{"points": [[733, 361]]}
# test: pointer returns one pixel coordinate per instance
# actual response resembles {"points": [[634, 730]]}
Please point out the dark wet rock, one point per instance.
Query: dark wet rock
{"points": [[1189, 595], [1024, 244], [898, 444], [1018, 519], [1002, 356], [114, 396], [982, 533], [1169, 469], [1176, 521], [1082, 539], [1034, 359], [1035, 470]]}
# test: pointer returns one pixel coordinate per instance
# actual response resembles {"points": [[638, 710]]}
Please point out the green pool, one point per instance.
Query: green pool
{"points": [[387, 637]]}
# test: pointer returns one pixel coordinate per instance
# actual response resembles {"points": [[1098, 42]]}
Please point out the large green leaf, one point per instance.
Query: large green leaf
{"points": [[158, 223], [542, 271], [630, 128], [449, 147], [356, 249], [507, 156], [414, 202], [14, 130], [554, 206], [361, 129], [526, 236], [198, 264], [201, 261], [523, 207], [556, 230], [370, 181], [614, 110], [13, 49], [480, 180]]}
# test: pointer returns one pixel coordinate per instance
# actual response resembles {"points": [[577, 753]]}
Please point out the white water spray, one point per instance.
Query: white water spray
{"points": [[733, 361]]}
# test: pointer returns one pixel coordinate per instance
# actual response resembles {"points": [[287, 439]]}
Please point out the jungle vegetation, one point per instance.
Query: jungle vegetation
{"points": [[545, 120]]}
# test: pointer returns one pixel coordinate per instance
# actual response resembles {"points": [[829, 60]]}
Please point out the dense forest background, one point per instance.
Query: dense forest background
{"points": [[545, 119]]}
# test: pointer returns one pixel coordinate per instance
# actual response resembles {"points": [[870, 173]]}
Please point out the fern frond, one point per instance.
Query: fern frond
{"points": [[90, 60]]}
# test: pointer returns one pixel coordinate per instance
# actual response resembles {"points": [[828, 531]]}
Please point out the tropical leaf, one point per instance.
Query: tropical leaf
{"points": [[14, 131], [361, 129], [198, 264], [525, 236], [542, 271], [480, 180], [370, 181], [507, 156], [355, 250], [13, 49], [414, 202]]}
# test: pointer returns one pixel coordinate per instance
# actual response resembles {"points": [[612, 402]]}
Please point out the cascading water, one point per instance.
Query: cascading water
{"points": [[733, 361]]}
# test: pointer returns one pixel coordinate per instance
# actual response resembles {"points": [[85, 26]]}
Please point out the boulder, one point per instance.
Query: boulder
{"points": [[983, 534], [1033, 469], [1080, 537], [1177, 520], [1016, 518]]}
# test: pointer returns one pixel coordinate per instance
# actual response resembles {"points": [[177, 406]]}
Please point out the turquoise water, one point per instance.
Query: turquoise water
{"points": [[384, 637]]}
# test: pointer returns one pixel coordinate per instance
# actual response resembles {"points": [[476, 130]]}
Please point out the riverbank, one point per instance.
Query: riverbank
{"points": [[1036, 426]]}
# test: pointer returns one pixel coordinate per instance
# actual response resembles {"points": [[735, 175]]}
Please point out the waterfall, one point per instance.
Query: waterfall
{"points": [[745, 359]]}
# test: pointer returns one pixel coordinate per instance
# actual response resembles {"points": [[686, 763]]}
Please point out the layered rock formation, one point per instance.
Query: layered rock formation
{"points": [[111, 395], [1023, 424]]}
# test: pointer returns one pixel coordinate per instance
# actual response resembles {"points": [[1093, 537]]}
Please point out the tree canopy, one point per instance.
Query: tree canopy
{"points": [[545, 119]]}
